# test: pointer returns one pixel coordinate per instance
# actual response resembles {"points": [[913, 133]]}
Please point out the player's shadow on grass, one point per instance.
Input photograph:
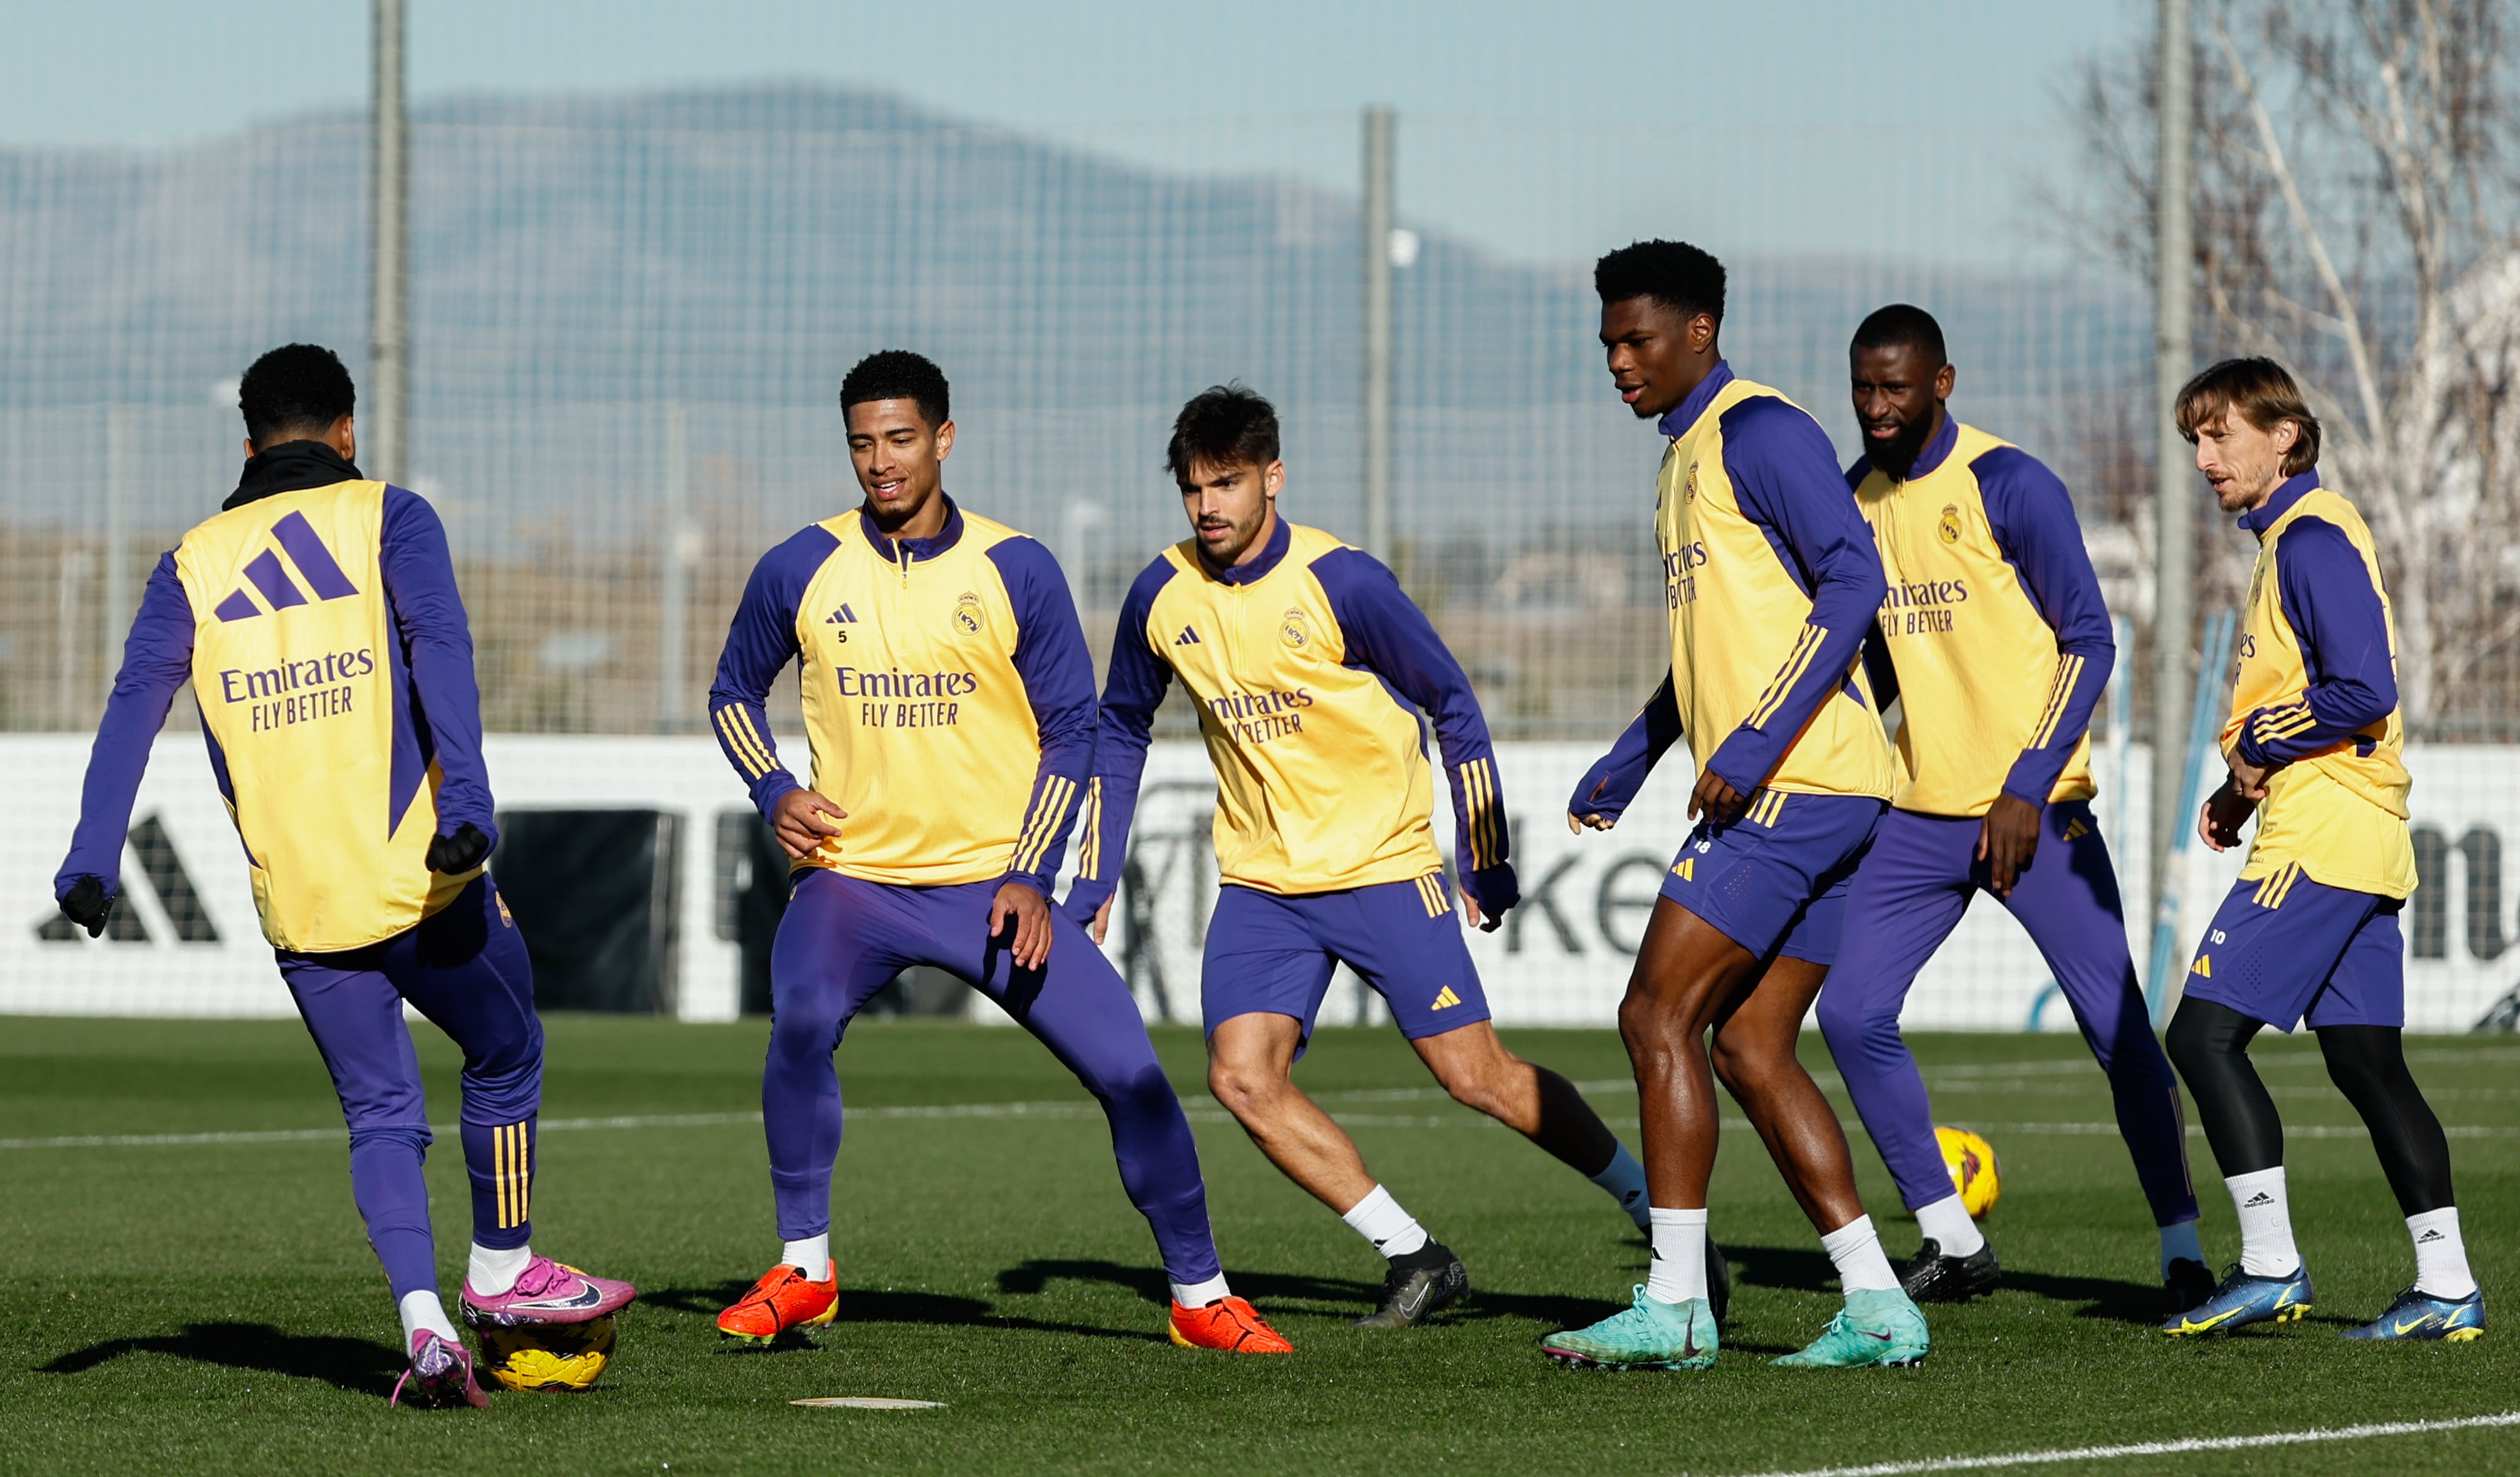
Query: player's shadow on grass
{"points": [[359, 1366], [2105, 1298], [1329, 1297], [869, 1305]]}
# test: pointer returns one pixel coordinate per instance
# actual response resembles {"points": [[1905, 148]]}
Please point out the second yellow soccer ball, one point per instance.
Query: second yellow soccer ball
{"points": [[1971, 1162], [555, 1357]]}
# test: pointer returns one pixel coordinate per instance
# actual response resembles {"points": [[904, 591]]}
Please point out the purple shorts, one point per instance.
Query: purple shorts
{"points": [[2282, 949], [1275, 953], [1775, 880]]}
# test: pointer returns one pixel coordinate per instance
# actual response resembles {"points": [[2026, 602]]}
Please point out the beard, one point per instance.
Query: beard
{"points": [[1899, 456]]}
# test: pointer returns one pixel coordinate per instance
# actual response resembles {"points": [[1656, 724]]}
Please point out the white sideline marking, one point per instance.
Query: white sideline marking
{"points": [[2156, 1447]]}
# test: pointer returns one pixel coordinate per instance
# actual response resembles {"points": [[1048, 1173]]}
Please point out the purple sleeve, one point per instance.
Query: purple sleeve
{"points": [[1611, 786], [1131, 693], [437, 640], [760, 642], [157, 659], [2032, 516], [1388, 635], [1786, 476], [2334, 608], [1057, 674]]}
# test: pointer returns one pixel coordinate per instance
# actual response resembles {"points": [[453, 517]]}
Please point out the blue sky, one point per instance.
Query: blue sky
{"points": [[1811, 126]]}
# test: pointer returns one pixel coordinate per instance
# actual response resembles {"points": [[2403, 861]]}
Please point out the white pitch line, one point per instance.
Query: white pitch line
{"points": [[2156, 1447]]}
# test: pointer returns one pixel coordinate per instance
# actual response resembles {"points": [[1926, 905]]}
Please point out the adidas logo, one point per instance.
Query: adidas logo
{"points": [[2076, 830], [2203, 967], [1685, 869], [2258, 1200], [167, 879], [843, 616], [296, 537], [2430, 1236], [1188, 638], [1447, 1000]]}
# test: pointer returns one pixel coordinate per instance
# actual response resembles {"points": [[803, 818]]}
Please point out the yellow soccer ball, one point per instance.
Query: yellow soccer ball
{"points": [[1971, 1162], [547, 1355]]}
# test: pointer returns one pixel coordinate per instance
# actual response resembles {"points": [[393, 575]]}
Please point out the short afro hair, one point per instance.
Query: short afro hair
{"points": [[1902, 326], [899, 375], [294, 394], [1679, 275], [1222, 426]]}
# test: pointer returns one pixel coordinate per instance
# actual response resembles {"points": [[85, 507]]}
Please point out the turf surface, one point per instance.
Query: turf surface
{"points": [[212, 1305]]}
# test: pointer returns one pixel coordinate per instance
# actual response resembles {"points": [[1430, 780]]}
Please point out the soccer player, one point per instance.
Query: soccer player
{"points": [[1996, 634], [949, 702], [1771, 580], [317, 618], [1309, 667], [2315, 752]]}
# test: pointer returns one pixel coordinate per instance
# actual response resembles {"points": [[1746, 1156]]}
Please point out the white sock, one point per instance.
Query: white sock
{"points": [[1379, 1219], [1857, 1251], [2265, 1224], [490, 1273], [812, 1256], [1679, 1271], [1948, 1224], [422, 1310], [2179, 1243], [2441, 1254], [1625, 1179], [1200, 1294]]}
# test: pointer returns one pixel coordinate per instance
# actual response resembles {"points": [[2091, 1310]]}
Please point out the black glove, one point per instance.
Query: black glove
{"points": [[88, 905], [460, 852]]}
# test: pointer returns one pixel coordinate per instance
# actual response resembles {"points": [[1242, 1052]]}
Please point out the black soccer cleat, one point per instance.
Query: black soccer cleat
{"points": [[1933, 1277], [1419, 1285], [2189, 1283]]}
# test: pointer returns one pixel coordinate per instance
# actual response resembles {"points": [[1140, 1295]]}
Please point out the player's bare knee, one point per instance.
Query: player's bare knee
{"points": [[1243, 1089]]}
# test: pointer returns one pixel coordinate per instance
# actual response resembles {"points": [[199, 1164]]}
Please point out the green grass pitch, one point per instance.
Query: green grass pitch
{"points": [[212, 1305]]}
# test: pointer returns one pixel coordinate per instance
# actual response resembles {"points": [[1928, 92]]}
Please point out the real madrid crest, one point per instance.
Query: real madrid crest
{"points": [[1950, 524], [969, 613], [1293, 630], [1688, 488]]}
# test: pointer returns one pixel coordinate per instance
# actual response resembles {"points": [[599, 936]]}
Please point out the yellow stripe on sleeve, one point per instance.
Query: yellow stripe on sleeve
{"points": [[2068, 672], [760, 746], [1089, 852], [746, 754], [1044, 828], [1804, 651]]}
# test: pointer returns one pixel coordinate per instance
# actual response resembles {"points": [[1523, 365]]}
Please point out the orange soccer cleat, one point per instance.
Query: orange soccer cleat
{"points": [[782, 1300], [1228, 1323]]}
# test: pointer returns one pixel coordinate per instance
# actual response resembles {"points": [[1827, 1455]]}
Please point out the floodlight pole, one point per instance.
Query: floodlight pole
{"points": [[384, 443], [1380, 125], [2175, 480]]}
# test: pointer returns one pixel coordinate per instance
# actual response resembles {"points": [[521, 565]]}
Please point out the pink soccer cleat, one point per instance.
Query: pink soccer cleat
{"points": [[548, 1293], [440, 1376]]}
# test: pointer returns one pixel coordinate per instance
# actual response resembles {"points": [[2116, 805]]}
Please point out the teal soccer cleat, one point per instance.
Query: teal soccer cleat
{"points": [[2243, 1300], [1649, 1335], [2417, 1313], [1876, 1327]]}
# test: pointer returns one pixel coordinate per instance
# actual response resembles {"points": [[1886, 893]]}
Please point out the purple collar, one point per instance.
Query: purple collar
{"points": [[2262, 518], [1686, 414], [917, 550], [1271, 555], [1938, 447]]}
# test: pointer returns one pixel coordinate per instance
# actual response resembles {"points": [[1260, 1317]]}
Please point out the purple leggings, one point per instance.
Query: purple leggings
{"points": [[1906, 898], [842, 939], [465, 968]]}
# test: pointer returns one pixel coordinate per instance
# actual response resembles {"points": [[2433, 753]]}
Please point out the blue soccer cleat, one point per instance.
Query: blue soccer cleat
{"points": [[1883, 1328], [2417, 1313], [2242, 1300], [1649, 1335]]}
